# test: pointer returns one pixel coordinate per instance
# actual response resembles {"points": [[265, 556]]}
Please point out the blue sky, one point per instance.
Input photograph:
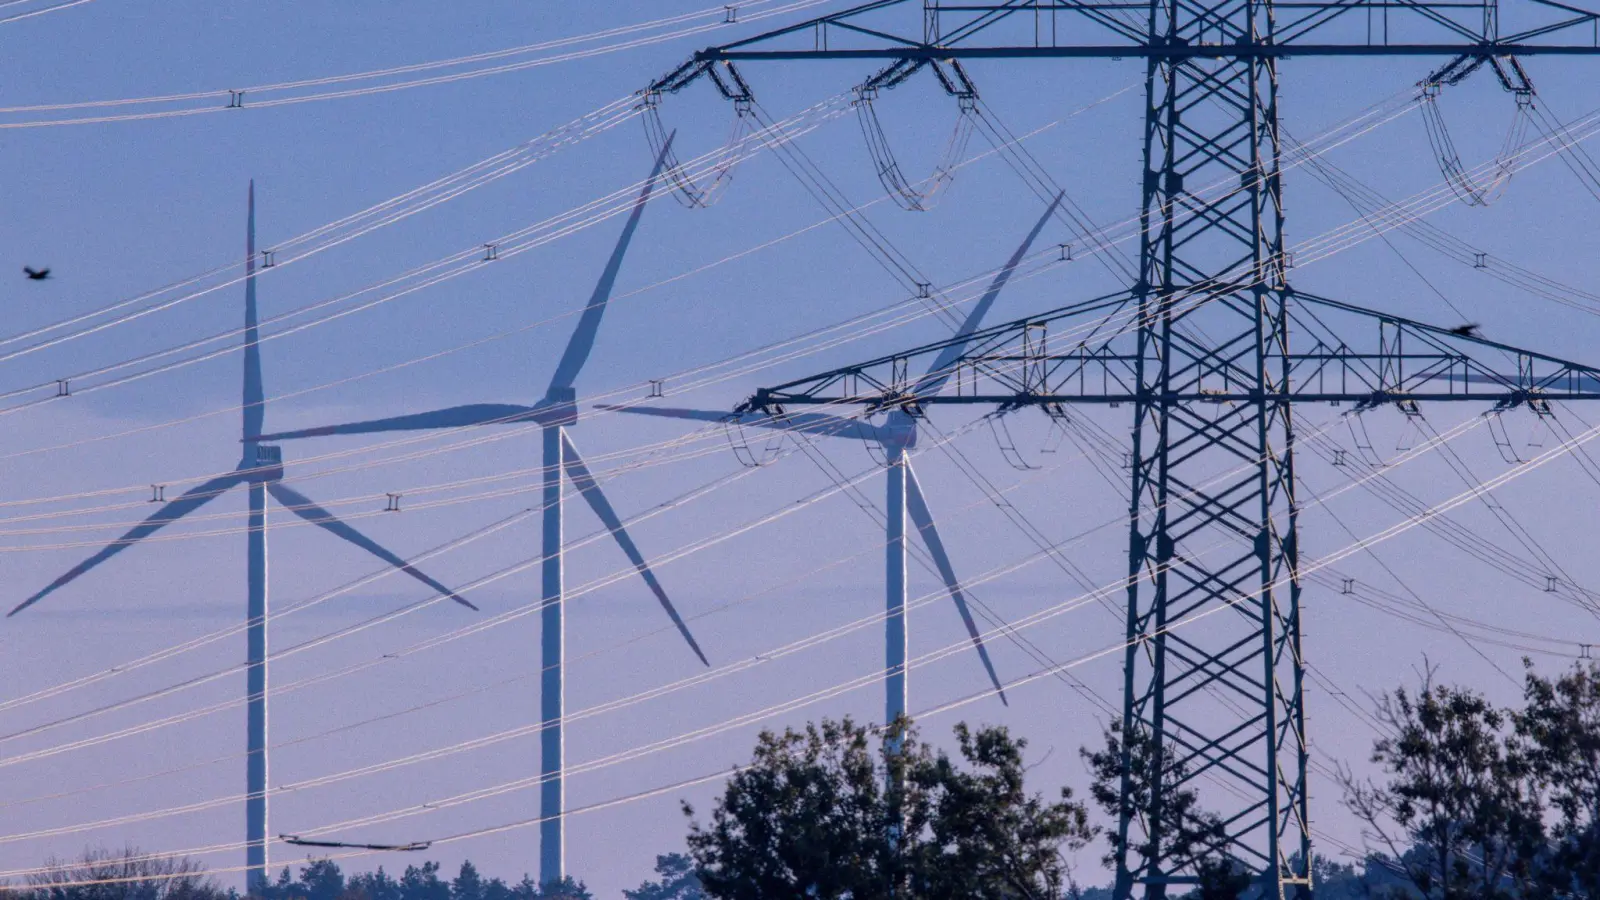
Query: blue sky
{"points": [[117, 209]]}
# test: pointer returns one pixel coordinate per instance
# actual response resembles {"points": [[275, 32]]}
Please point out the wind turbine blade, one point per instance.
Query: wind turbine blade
{"points": [[940, 372], [577, 352], [807, 423], [305, 508], [917, 507], [590, 489], [451, 417], [254, 392], [191, 500]]}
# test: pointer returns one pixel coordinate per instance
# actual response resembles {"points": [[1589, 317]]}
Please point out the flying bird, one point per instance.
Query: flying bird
{"points": [[1468, 330], [36, 274]]}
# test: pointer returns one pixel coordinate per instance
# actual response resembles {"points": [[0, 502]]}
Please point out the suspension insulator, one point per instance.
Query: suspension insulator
{"points": [[921, 195], [704, 185], [1484, 184]]}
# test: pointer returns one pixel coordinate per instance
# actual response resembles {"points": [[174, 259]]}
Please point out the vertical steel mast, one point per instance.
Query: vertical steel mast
{"points": [[1224, 703], [556, 412]]}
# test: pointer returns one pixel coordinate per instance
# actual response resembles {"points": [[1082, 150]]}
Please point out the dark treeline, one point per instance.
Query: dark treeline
{"points": [[1467, 801], [130, 875], [322, 880]]}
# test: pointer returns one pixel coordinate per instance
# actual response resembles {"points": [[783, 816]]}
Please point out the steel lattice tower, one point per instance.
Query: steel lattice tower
{"points": [[1210, 121], [1207, 366]]}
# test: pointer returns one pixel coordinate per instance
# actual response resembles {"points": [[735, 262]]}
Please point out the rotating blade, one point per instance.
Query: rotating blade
{"points": [[191, 500], [305, 508], [584, 481], [917, 507], [583, 337], [449, 417]]}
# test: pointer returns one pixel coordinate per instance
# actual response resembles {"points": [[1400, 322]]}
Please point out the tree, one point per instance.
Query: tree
{"points": [[468, 884], [281, 889], [679, 881], [376, 885], [1559, 726], [988, 836], [830, 813], [322, 880], [565, 889], [423, 883], [1464, 798], [1188, 837], [126, 874]]}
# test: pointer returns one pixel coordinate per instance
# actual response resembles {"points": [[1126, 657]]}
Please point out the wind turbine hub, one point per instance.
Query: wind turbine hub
{"points": [[559, 407]]}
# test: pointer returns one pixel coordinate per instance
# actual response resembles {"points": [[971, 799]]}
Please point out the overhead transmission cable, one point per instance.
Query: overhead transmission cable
{"points": [[1341, 247], [1489, 552], [54, 384], [508, 617], [971, 280], [342, 230], [1576, 158], [343, 727], [502, 334], [924, 659], [43, 10], [762, 658], [421, 277], [250, 97], [1371, 205]]}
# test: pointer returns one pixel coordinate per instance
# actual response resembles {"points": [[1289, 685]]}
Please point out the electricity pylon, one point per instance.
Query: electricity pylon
{"points": [[1204, 355]]}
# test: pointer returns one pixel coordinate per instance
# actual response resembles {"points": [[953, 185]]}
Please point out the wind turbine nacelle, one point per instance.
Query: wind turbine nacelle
{"points": [[264, 465], [559, 407], [898, 434]]}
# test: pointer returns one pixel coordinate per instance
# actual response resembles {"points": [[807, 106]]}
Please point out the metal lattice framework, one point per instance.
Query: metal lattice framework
{"points": [[1203, 355], [1211, 466]]}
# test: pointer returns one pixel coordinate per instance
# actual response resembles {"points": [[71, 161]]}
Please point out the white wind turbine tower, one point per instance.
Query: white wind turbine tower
{"points": [[260, 472], [554, 413], [896, 435]]}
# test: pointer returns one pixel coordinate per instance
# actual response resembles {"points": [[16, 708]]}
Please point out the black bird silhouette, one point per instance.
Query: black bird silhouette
{"points": [[36, 275], [1468, 330]]}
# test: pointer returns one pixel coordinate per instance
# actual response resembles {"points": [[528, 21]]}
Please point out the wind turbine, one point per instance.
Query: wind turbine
{"points": [[260, 472], [554, 413], [897, 435]]}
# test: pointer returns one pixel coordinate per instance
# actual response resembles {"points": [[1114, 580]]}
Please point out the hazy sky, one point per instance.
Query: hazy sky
{"points": [[117, 209]]}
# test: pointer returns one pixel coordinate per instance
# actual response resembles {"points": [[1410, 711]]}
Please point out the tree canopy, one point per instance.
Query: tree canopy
{"points": [[835, 812], [1476, 801]]}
